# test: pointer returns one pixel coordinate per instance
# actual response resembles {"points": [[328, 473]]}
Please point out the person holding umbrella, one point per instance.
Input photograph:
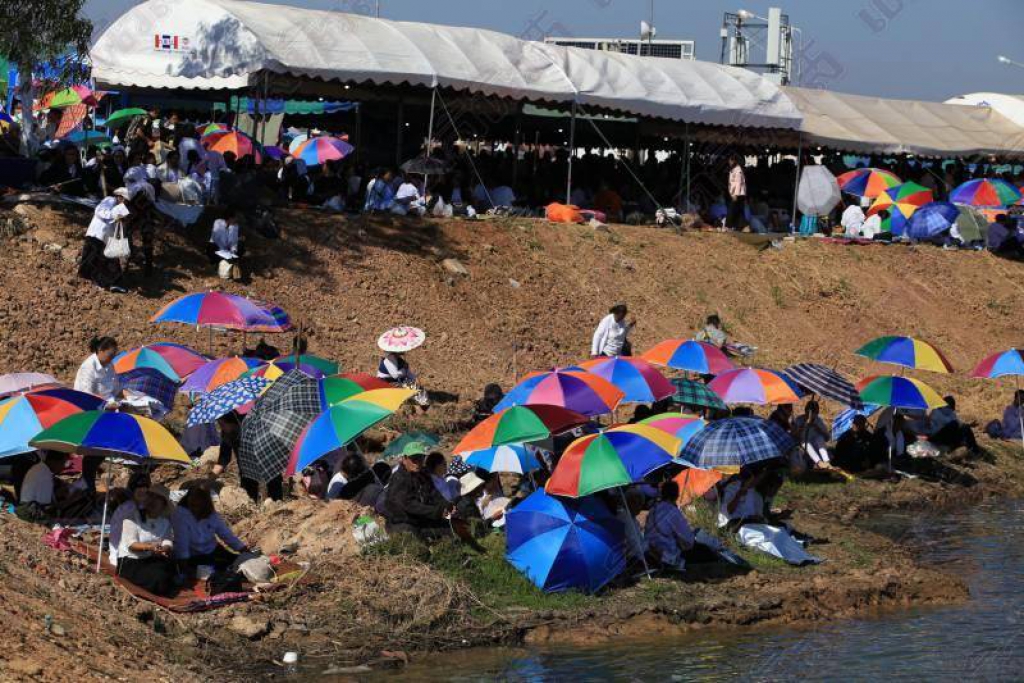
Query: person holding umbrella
{"points": [[393, 368]]}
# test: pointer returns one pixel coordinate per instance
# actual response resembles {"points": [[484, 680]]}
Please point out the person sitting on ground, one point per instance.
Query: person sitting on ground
{"points": [[493, 502], [437, 467], [874, 227], [856, 450], [92, 263], [355, 481], [1004, 238], [96, 375], [201, 536], [138, 486], [144, 555], [712, 333], [739, 500], [225, 248], [379, 195], [412, 503], [947, 430], [170, 172], [667, 534], [1010, 427], [484, 408], [408, 200], [783, 417], [42, 494], [852, 221], [611, 338], [810, 432]]}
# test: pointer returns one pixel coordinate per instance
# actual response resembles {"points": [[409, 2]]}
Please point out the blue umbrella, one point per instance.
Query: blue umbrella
{"points": [[737, 441], [931, 220], [844, 420], [226, 398], [565, 544], [823, 381], [514, 458]]}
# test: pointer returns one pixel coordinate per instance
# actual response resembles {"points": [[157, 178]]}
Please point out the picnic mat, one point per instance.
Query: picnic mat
{"points": [[192, 597]]}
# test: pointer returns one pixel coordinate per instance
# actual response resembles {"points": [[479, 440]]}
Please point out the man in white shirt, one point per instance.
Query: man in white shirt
{"points": [[408, 200], [873, 225], [611, 338], [852, 221]]}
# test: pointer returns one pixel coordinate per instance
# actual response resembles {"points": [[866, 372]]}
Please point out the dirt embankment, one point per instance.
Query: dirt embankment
{"points": [[531, 297]]}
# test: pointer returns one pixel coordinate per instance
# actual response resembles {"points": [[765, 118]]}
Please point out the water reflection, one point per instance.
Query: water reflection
{"points": [[982, 639]]}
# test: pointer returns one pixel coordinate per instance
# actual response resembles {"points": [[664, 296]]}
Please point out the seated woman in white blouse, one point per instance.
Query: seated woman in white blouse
{"points": [[144, 554], [96, 375], [199, 532]]}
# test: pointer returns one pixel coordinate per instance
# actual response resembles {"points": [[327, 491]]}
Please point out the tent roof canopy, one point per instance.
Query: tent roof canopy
{"points": [[855, 123], [226, 44]]}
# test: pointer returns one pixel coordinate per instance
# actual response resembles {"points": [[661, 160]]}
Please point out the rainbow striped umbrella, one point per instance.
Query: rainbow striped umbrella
{"points": [[899, 392], [234, 141], [276, 369], [987, 192], [901, 202], [906, 352], [616, 457], [519, 424], [754, 385], [638, 379], [328, 367], [174, 361], [213, 129], [217, 373], [343, 423], [320, 150], [682, 427], [25, 415], [112, 435], [867, 182], [690, 355], [61, 99], [226, 311], [579, 391], [1004, 364], [335, 389]]}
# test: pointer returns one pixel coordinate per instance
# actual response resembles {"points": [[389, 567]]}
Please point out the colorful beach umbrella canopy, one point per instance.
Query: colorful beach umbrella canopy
{"points": [[682, 427], [616, 457], [823, 381], [689, 355], [901, 202], [23, 416], [343, 423], [61, 99], [217, 373], [1008, 363], [276, 369], [327, 367], [987, 192], [899, 392], [396, 446], [274, 425], [226, 311], [581, 392], [906, 352], [234, 141], [639, 381], [736, 442], [519, 424], [754, 385], [322, 149], [226, 398], [512, 458], [112, 435], [697, 394], [337, 388], [562, 545], [867, 182], [931, 220], [24, 381], [174, 361]]}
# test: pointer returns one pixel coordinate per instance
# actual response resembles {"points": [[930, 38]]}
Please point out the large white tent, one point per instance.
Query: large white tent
{"points": [[1010, 106], [227, 44]]}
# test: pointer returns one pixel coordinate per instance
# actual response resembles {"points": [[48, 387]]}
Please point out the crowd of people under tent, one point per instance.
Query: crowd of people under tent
{"points": [[160, 160], [156, 540]]}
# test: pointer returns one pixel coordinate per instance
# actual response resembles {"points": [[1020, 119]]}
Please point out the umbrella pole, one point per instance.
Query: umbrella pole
{"points": [[1020, 416], [637, 535], [209, 346], [103, 522]]}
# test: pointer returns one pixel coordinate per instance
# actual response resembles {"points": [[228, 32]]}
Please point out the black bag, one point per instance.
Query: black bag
{"points": [[226, 582]]}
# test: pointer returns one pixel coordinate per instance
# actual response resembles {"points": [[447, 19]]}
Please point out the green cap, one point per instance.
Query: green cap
{"points": [[414, 449]]}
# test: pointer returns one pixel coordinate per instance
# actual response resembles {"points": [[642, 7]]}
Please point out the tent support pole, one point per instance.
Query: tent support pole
{"points": [[1020, 415], [796, 185], [572, 153], [638, 538], [103, 522], [469, 157], [430, 136], [398, 133], [686, 161]]}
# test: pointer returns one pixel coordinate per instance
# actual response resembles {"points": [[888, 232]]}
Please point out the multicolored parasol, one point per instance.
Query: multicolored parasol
{"points": [[899, 392], [986, 192], [906, 352], [24, 416], [690, 355], [337, 388], [636, 378], [867, 182], [754, 385], [682, 427], [520, 424], [581, 392], [24, 381], [513, 458], [234, 141], [174, 361], [320, 150], [113, 435], [901, 202], [217, 373], [1004, 364], [401, 339], [226, 311]]}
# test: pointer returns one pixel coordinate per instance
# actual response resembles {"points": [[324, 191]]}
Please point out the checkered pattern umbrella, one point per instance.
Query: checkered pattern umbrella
{"points": [[273, 427], [226, 398], [824, 381], [737, 441], [691, 393], [151, 382]]}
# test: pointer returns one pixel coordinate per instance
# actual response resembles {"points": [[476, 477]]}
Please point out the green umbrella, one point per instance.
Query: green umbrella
{"points": [[691, 393], [398, 445], [328, 367], [972, 225], [123, 116]]}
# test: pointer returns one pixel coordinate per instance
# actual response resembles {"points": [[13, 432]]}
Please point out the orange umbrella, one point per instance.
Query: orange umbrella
{"points": [[694, 483]]}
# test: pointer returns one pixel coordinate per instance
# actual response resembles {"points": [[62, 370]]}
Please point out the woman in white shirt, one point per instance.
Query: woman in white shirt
{"points": [[93, 265], [147, 544], [225, 247], [199, 532], [96, 375], [810, 432], [611, 338]]}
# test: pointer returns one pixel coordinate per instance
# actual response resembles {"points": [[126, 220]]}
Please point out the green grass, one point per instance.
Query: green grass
{"points": [[778, 297]]}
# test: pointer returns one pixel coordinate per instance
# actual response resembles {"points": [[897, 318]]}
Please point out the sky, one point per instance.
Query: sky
{"points": [[914, 49]]}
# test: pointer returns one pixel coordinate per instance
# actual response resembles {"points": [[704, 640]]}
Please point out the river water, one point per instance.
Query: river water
{"points": [[982, 639]]}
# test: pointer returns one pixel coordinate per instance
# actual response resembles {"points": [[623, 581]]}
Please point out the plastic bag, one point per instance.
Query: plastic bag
{"points": [[118, 246]]}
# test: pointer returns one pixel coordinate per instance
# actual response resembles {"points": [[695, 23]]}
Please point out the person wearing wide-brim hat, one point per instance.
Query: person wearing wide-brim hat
{"points": [[412, 503], [393, 368]]}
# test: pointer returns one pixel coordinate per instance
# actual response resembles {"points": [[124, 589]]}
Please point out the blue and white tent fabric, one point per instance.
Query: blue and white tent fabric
{"points": [[226, 398], [565, 544], [735, 442], [844, 420], [823, 381]]}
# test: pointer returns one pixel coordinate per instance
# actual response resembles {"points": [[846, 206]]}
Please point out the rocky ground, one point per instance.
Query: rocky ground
{"points": [[496, 299]]}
